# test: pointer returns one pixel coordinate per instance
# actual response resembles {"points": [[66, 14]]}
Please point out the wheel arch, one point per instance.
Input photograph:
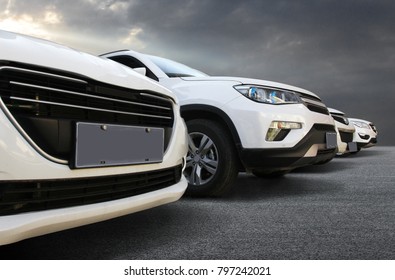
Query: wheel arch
{"points": [[202, 111], [195, 111]]}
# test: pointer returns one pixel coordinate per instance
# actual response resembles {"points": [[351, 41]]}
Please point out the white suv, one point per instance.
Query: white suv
{"points": [[345, 133], [365, 133], [239, 124], [82, 139]]}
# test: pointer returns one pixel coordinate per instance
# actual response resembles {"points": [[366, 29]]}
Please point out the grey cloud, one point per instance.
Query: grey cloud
{"points": [[90, 17], [342, 50]]}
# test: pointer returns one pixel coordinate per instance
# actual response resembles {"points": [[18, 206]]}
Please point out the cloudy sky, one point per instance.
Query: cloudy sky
{"points": [[344, 51]]}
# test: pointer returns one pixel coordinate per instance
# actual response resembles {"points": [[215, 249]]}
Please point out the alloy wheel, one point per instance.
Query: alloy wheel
{"points": [[202, 159]]}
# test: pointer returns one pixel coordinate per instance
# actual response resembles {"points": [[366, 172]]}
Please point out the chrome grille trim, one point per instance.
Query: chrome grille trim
{"points": [[42, 73], [92, 96], [85, 107], [27, 137]]}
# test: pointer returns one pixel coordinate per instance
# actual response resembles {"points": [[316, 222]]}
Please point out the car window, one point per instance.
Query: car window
{"points": [[174, 69], [134, 63]]}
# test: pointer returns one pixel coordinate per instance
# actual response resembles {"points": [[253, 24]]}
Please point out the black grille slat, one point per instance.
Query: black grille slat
{"points": [[318, 109], [66, 186], [30, 196], [314, 104], [31, 94], [92, 193], [77, 98], [340, 119]]}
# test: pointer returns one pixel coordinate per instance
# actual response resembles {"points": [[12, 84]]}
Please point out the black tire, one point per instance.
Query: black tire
{"points": [[212, 166]]}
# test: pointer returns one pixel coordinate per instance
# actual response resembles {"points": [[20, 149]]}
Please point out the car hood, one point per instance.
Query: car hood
{"points": [[30, 50], [248, 81], [334, 111], [360, 120]]}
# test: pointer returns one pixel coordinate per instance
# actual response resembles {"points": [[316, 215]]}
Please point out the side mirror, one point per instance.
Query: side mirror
{"points": [[141, 70]]}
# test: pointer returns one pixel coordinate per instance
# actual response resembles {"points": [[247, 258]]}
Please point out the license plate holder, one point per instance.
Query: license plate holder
{"points": [[99, 145], [331, 140], [352, 147]]}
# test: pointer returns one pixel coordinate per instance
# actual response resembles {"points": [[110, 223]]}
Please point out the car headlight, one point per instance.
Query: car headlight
{"points": [[268, 95], [361, 124]]}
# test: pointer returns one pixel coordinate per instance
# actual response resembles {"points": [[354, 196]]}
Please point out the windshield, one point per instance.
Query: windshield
{"points": [[174, 69]]}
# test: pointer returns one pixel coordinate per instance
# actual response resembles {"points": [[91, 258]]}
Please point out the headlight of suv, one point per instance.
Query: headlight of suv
{"points": [[361, 124], [268, 95]]}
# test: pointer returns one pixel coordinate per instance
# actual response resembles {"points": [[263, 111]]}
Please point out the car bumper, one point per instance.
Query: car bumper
{"points": [[26, 225], [365, 138], [252, 121], [23, 168], [300, 147], [372, 142], [345, 143], [310, 150]]}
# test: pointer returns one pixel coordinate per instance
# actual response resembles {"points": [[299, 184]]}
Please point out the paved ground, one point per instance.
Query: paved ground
{"points": [[342, 210]]}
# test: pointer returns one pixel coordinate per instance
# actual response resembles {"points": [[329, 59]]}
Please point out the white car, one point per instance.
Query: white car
{"points": [[238, 124], [365, 133], [345, 132], [82, 139]]}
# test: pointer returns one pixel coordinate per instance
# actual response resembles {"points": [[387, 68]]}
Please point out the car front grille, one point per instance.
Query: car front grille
{"points": [[346, 137], [340, 119], [47, 103], [19, 197], [314, 104]]}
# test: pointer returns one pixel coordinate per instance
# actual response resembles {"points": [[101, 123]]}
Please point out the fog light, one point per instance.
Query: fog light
{"points": [[279, 130]]}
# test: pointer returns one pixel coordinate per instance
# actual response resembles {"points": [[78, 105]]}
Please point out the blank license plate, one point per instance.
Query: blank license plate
{"points": [[331, 140], [352, 147], [109, 145]]}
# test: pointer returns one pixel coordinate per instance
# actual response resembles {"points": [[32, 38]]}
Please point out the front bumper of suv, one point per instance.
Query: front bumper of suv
{"points": [[312, 149], [302, 146]]}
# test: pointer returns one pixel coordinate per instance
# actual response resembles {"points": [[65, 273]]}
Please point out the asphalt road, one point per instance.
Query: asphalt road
{"points": [[342, 210]]}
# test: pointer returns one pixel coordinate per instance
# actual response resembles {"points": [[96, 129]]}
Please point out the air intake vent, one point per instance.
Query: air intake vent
{"points": [[346, 137], [33, 196]]}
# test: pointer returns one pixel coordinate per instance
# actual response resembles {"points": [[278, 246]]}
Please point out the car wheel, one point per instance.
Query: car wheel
{"points": [[211, 165]]}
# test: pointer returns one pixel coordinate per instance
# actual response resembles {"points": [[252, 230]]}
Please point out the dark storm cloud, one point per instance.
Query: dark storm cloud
{"points": [[298, 34], [342, 50]]}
